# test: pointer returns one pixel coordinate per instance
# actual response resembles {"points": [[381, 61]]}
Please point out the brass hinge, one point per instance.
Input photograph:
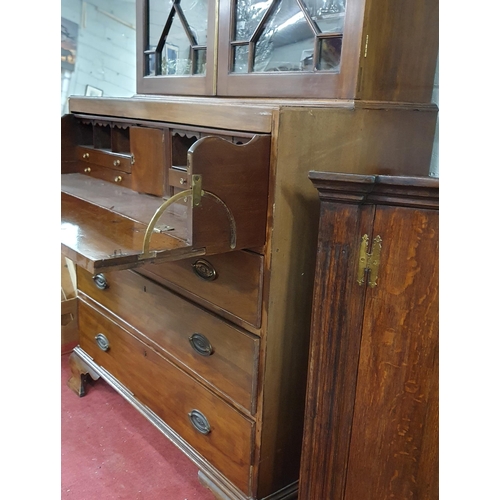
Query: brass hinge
{"points": [[366, 46], [369, 262]]}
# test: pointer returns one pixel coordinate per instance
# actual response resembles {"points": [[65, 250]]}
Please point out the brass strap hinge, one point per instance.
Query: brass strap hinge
{"points": [[369, 262]]}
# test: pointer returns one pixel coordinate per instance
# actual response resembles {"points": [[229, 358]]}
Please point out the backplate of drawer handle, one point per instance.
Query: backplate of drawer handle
{"points": [[201, 344], [199, 421], [102, 342], [100, 281], [204, 270]]}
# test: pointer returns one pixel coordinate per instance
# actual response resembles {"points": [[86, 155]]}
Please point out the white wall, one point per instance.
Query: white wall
{"points": [[106, 47]]}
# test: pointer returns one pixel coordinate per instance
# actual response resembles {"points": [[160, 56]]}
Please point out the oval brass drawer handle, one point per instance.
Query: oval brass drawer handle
{"points": [[199, 421], [102, 342], [201, 344], [100, 281], [204, 270]]}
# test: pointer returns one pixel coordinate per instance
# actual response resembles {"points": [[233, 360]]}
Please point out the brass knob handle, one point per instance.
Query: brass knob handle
{"points": [[182, 181], [201, 344], [204, 270], [86, 155], [87, 170], [102, 342], [199, 421], [100, 281], [116, 163], [118, 178]]}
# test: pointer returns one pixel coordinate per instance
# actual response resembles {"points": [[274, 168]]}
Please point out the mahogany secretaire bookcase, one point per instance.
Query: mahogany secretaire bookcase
{"points": [[193, 224]]}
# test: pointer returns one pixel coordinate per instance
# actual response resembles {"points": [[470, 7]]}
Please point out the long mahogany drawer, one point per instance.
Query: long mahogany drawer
{"points": [[223, 356], [215, 429], [229, 282]]}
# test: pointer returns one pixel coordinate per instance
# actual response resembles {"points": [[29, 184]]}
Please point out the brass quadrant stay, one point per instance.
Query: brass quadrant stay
{"points": [[369, 262], [151, 226], [195, 192]]}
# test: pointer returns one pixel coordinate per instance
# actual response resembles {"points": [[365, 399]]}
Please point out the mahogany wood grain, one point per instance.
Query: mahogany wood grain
{"points": [[166, 323], [403, 41], [238, 175], [104, 158], [150, 162], [172, 396], [68, 144], [112, 176], [248, 116], [236, 292], [98, 239], [390, 141]]}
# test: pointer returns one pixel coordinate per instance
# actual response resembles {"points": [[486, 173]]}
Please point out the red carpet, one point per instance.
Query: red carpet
{"points": [[110, 451]]}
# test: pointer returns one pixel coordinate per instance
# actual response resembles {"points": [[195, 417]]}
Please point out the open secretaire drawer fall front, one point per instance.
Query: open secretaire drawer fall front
{"points": [[135, 192]]}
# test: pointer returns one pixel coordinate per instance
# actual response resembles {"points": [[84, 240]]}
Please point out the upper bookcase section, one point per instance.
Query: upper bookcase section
{"points": [[380, 50]]}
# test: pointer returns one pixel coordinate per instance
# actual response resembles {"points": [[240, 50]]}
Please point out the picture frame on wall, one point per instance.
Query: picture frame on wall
{"points": [[93, 91]]}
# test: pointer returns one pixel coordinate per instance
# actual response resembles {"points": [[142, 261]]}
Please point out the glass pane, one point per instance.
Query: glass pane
{"points": [[176, 57], [158, 14], [196, 13], [248, 15], [328, 14], [240, 62], [330, 49], [285, 38], [201, 62]]}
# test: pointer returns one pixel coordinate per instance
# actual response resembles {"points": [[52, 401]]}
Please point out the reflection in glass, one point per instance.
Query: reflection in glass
{"points": [[240, 62], [330, 49], [248, 15], [177, 60], [285, 36], [185, 38]]}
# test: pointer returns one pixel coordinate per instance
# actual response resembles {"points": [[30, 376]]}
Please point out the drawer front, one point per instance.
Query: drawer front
{"points": [[229, 282], [115, 161], [223, 356], [106, 174], [215, 429]]}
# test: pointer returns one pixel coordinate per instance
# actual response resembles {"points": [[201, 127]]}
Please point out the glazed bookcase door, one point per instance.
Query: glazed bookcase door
{"points": [[289, 48], [175, 47]]}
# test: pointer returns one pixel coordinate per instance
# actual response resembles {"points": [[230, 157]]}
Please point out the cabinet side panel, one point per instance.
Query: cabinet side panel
{"points": [[401, 50], [335, 339], [363, 141], [395, 429]]}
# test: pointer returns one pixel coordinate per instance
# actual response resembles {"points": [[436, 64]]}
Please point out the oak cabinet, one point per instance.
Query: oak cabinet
{"points": [[371, 424], [341, 49]]}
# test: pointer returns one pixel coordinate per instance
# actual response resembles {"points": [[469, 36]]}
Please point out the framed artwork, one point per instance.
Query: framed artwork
{"points": [[93, 91]]}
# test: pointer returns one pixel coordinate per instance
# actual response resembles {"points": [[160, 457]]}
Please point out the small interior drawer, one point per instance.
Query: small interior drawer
{"points": [[229, 283], [215, 429], [221, 355], [106, 174], [108, 159]]}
